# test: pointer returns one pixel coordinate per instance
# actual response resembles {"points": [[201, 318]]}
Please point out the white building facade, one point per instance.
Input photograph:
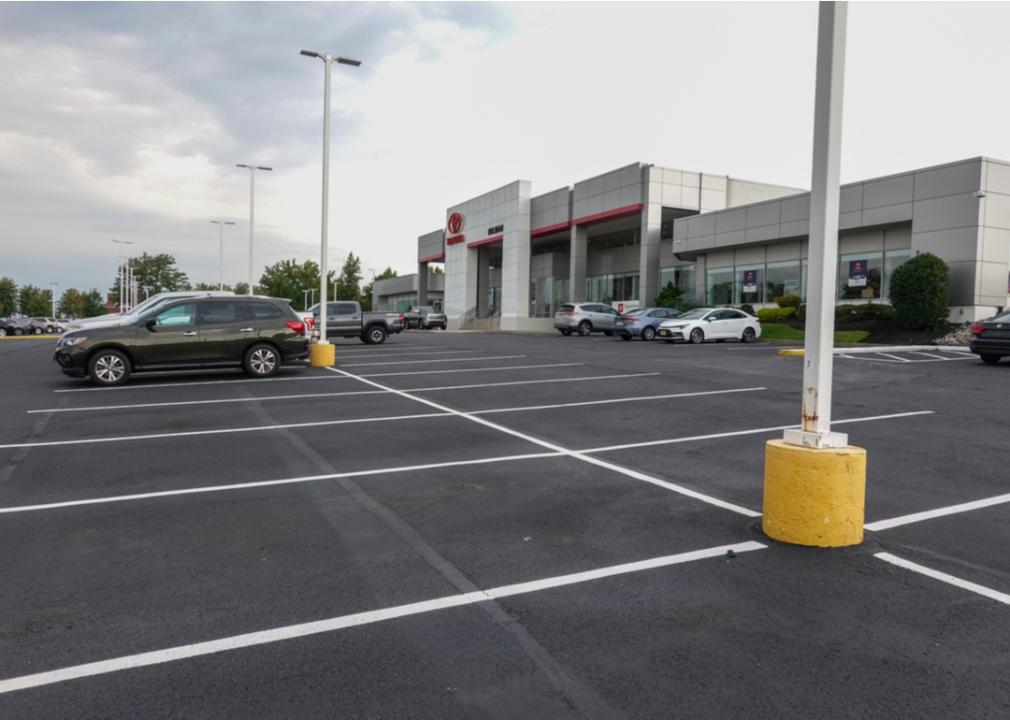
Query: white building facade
{"points": [[514, 258]]}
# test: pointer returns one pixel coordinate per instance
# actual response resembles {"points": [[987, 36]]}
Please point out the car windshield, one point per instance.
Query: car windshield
{"points": [[1005, 317], [694, 314]]}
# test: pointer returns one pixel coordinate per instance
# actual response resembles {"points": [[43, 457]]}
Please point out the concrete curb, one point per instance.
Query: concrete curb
{"points": [[798, 352]]}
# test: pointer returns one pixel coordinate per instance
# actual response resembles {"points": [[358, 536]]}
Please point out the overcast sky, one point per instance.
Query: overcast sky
{"points": [[126, 120]]}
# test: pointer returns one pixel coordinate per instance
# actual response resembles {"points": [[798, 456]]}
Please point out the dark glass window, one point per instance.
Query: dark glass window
{"points": [[263, 311], [217, 313]]}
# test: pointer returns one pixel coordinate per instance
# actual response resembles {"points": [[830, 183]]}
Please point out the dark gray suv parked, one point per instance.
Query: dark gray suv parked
{"points": [[256, 334]]}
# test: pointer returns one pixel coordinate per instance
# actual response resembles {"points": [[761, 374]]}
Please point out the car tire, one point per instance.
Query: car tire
{"points": [[109, 368], [376, 335], [668, 342], [697, 336], [3, 332], [50, 329], [566, 332], [748, 336], [261, 360], [608, 333], [37, 331], [442, 327], [625, 337], [989, 359], [585, 328], [648, 334], [19, 332]]}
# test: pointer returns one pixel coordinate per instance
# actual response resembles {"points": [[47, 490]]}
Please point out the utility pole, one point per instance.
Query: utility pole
{"points": [[220, 251], [252, 211]]}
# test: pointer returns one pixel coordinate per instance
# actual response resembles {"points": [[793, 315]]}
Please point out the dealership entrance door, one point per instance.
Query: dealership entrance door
{"points": [[487, 315]]}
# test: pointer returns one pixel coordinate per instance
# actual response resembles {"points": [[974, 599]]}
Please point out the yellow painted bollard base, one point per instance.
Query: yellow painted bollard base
{"points": [[814, 497], [322, 355]]}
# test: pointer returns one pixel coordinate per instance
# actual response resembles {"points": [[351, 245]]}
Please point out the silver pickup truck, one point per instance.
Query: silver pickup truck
{"points": [[345, 319]]}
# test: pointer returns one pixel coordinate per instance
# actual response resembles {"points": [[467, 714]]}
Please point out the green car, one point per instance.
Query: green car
{"points": [[254, 333]]}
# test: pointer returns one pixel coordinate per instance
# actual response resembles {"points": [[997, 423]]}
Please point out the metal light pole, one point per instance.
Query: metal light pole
{"points": [[252, 211], [328, 61], [53, 297], [818, 348], [147, 291], [122, 271], [220, 250]]}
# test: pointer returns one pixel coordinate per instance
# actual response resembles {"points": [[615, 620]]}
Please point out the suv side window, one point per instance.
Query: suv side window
{"points": [[263, 311], [345, 309], [221, 313], [177, 317]]}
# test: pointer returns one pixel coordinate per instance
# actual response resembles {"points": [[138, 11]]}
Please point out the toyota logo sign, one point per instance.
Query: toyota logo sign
{"points": [[455, 223]]}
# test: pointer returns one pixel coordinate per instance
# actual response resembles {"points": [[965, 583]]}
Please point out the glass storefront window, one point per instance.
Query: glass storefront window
{"points": [[682, 276], [860, 276], [719, 286], [547, 295], [782, 278], [612, 288], [749, 285], [892, 259]]}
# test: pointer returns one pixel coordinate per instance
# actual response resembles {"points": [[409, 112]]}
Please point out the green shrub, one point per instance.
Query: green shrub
{"points": [[672, 296], [747, 308], [801, 312], [776, 314], [787, 301], [920, 292], [865, 312]]}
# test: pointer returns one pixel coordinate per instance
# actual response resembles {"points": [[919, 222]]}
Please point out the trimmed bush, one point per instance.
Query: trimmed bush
{"points": [[787, 301], [920, 292], [863, 312], [747, 308], [776, 314]]}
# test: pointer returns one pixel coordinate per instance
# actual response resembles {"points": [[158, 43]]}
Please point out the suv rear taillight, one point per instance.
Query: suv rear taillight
{"points": [[297, 325], [977, 329]]}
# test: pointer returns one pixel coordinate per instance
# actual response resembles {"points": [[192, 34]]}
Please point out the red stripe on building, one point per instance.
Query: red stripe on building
{"points": [[548, 229], [609, 214], [432, 258], [486, 241]]}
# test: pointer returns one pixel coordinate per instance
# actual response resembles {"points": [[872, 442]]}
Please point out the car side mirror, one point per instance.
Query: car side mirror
{"points": [[709, 319], [151, 325]]}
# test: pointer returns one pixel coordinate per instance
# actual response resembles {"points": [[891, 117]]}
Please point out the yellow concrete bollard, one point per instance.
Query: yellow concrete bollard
{"points": [[321, 355], [814, 497]]}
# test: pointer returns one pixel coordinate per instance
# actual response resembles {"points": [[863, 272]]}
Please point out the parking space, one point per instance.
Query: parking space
{"points": [[497, 525]]}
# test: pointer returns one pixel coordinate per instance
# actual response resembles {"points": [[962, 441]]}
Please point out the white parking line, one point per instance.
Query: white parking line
{"points": [[356, 355], [737, 433], [288, 632], [938, 512], [271, 483], [557, 448], [439, 360], [641, 398], [894, 357], [944, 577], [309, 396], [465, 370], [156, 386], [554, 451], [222, 431]]}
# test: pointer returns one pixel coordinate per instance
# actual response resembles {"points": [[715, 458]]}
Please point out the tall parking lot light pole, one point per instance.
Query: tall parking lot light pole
{"points": [[252, 212], [122, 271], [52, 295], [321, 354], [220, 250], [815, 483]]}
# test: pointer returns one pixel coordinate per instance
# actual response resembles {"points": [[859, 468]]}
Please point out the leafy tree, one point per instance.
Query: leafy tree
{"points": [[241, 288], [208, 286], [71, 303], [8, 296], [94, 304], [34, 301], [288, 279], [158, 272], [349, 282], [920, 293], [366, 297], [672, 296], [435, 270], [387, 274]]}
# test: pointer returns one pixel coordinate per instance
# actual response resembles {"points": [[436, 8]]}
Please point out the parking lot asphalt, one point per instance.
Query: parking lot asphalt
{"points": [[496, 525]]}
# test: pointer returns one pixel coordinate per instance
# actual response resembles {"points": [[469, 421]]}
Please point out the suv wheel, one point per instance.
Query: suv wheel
{"points": [[19, 331], [990, 359], [565, 331], [585, 328], [648, 333], [375, 335], [50, 329], [3, 332], [261, 361], [109, 368], [697, 336], [748, 335], [37, 331]]}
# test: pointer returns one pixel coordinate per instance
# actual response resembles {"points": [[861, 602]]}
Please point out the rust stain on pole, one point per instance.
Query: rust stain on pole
{"points": [[810, 418]]}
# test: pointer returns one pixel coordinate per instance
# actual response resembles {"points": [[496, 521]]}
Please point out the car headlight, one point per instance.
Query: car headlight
{"points": [[72, 340]]}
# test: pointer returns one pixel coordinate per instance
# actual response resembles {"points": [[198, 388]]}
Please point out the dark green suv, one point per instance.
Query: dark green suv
{"points": [[256, 334]]}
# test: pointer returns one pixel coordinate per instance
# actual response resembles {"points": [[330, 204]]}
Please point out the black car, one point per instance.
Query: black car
{"points": [[10, 326], [990, 339], [256, 334]]}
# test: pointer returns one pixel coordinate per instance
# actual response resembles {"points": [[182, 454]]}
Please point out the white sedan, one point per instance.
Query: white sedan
{"points": [[697, 326]]}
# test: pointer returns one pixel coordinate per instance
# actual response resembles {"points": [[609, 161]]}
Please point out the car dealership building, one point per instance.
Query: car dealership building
{"points": [[513, 258]]}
